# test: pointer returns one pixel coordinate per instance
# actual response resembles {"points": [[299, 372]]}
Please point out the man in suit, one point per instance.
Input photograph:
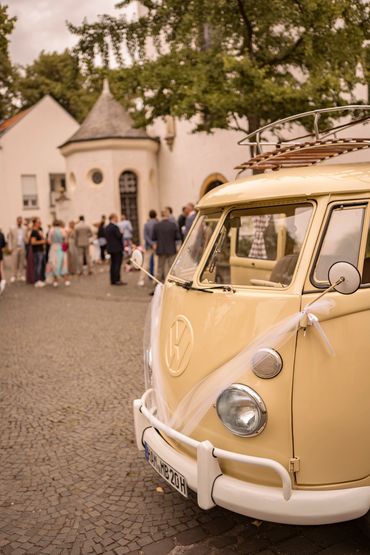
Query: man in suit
{"points": [[190, 217], [148, 244], [17, 245], [115, 249], [181, 221], [165, 235], [83, 234]]}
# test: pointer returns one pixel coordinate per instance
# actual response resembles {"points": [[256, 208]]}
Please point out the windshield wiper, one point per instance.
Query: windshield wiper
{"points": [[220, 286], [188, 285]]}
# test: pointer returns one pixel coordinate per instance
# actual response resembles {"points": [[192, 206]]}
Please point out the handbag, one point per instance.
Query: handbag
{"points": [[64, 247]]}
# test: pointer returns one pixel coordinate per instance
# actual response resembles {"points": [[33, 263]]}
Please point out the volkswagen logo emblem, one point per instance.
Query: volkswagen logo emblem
{"points": [[179, 345]]}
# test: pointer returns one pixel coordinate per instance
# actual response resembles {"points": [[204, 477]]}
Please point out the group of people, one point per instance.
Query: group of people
{"points": [[161, 242], [41, 256], [162, 239]]}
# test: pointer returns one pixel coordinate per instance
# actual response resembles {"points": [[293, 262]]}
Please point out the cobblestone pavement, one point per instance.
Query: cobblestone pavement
{"points": [[72, 481]]}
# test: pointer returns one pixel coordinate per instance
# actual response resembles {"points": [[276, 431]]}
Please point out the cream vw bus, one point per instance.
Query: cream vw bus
{"points": [[257, 363]]}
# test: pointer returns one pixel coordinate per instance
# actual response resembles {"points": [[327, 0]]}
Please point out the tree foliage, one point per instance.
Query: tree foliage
{"points": [[227, 60], [59, 75], [7, 71]]}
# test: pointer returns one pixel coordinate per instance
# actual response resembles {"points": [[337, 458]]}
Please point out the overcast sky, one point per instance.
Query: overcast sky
{"points": [[41, 24]]}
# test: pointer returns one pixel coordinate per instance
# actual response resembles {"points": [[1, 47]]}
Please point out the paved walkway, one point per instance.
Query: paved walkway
{"points": [[72, 481]]}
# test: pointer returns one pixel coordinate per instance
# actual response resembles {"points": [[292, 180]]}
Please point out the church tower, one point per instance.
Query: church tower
{"points": [[111, 166]]}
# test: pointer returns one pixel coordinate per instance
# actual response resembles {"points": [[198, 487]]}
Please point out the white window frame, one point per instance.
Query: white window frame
{"points": [[30, 198]]}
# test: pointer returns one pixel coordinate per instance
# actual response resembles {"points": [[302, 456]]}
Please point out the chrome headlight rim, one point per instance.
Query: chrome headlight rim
{"points": [[272, 353], [262, 410]]}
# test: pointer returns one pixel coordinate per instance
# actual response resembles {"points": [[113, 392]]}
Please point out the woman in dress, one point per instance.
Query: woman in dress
{"points": [[57, 262], [72, 254]]}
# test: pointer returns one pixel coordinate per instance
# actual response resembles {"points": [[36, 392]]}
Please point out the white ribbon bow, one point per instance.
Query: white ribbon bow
{"points": [[312, 320]]}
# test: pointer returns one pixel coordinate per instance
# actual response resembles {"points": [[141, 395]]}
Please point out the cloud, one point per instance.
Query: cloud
{"points": [[41, 24]]}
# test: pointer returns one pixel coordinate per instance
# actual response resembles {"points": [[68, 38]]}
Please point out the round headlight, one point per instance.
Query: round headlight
{"points": [[241, 410], [266, 363]]}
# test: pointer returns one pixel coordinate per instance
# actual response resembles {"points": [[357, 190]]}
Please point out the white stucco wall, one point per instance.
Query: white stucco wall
{"points": [[193, 158], [30, 148], [85, 197], [111, 157]]}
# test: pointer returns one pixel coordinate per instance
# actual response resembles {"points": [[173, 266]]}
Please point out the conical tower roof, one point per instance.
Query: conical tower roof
{"points": [[107, 120]]}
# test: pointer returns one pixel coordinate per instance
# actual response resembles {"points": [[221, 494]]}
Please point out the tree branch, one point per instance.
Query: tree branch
{"points": [[299, 6], [284, 56], [237, 126], [248, 36]]}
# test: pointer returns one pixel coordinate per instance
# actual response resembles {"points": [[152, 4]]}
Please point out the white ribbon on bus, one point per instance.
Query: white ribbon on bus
{"points": [[203, 395]]}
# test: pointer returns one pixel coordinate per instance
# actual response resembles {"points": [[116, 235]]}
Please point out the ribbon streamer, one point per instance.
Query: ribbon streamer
{"points": [[196, 403], [315, 323]]}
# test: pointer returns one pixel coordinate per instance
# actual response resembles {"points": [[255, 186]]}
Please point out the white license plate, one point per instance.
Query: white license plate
{"points": [[174, 478]]}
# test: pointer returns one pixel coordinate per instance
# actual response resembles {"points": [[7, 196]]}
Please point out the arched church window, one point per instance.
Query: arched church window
{"points": [[211, 182], [213, 185], [128, 196]]}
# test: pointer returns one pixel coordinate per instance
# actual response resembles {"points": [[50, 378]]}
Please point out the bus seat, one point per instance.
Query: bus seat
{"points": [[284, 269]]}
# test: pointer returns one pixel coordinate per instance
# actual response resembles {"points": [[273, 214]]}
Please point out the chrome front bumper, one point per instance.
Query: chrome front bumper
{"points": [[276, 504]]}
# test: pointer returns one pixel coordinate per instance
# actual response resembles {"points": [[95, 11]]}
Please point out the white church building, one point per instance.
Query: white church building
{"points": [[50, 166], [32, 169]]}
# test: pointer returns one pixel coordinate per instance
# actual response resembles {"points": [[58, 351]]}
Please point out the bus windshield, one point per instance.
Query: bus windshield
{"points": [[194, 247]]}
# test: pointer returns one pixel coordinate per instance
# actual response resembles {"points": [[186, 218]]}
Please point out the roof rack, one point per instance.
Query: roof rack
{"points": [[304, 150]]}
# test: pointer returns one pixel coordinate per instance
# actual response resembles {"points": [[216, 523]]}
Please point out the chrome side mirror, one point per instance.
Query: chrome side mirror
{"points": [[344, 278]]}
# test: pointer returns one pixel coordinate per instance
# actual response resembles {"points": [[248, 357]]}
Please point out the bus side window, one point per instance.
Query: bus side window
{"points": [[341, 241]]}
